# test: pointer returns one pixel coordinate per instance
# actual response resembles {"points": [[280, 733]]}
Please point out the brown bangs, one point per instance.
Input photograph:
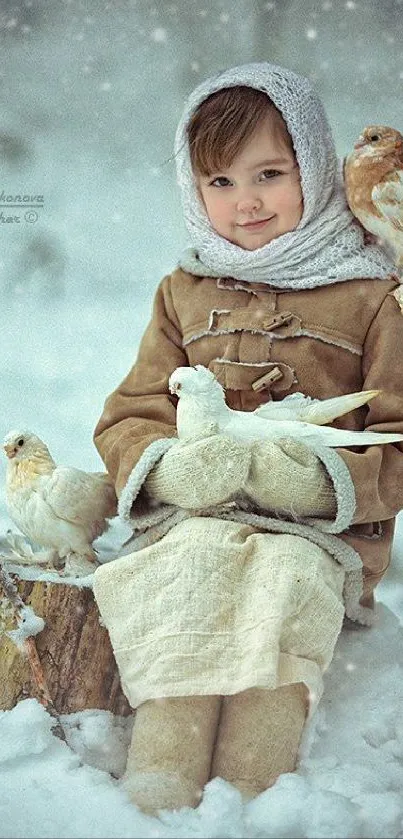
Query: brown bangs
{"points": [[223, 123]]}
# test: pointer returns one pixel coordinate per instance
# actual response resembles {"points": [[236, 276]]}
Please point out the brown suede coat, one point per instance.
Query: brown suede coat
{"points": [[324, 342]]}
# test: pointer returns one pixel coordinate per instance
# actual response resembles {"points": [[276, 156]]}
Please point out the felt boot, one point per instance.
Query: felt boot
{"points": [[170, 754], [258, 736]]}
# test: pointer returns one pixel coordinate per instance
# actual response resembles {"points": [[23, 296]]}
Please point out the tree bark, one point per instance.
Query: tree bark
{"points": [[74, 651]]}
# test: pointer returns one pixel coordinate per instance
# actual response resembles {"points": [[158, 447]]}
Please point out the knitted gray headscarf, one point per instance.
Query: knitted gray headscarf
{"points": [[328, 244]]}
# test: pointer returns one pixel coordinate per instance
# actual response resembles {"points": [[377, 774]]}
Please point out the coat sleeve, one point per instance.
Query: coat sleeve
{"points": [[377, 471], [141, 412]]}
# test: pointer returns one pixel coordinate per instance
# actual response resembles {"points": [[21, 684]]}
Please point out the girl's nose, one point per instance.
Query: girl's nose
{"points": [[248, 203]]}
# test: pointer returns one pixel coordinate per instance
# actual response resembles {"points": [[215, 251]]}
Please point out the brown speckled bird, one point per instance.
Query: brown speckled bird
{"points": [[373, 176]]}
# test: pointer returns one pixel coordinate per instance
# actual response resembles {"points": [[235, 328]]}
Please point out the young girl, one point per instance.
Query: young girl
{"points": [[247, 556]]}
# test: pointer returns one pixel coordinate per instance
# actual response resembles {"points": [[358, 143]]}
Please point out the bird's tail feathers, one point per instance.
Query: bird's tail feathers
{"points": [[108, 495], [342, 437], [318, 411]]}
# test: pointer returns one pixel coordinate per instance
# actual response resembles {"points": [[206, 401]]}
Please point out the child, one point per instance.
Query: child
{"points": [[248, 556]]}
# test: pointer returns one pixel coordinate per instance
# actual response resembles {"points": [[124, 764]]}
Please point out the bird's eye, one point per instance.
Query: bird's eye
{"points": [[21, 441], [374, 138]]}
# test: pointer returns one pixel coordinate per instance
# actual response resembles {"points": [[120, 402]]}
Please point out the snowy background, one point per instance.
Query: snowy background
{"points": [[91, 94]]}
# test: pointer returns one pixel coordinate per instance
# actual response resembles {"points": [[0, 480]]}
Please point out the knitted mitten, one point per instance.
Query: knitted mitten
{"points": [[200, 474], [170, 753], [259, 736], [288, 477]]}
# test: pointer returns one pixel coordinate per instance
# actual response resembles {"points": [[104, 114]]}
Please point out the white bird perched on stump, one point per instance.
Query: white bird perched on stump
{"points": [[202, 411], [57, 507]]}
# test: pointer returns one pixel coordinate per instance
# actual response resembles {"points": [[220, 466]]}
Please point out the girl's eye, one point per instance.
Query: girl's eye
{"points": [[267, 174], [220, 181]]}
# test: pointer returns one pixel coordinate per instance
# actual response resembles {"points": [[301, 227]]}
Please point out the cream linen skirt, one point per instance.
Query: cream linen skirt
{"points": [[216, 607]]}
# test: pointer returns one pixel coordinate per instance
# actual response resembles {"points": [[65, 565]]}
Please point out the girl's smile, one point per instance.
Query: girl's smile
{"points": [[255, 225]]}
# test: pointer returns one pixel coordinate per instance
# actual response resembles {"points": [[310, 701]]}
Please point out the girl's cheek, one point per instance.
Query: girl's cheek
{"points": [[221, 203]]}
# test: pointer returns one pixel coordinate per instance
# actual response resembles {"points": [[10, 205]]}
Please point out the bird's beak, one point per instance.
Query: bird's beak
{"points": [[360, 143], [10, 450]]}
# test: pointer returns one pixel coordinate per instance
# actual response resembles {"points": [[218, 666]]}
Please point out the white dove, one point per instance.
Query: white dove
{"points": [[202, 411], [57, 507]]}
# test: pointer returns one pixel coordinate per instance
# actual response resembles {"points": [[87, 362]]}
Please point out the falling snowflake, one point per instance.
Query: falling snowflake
{"points": [[224, 18], [159, 35], [195, 66], [327, 5], [350, 4], [105, 86], [311, 34]]}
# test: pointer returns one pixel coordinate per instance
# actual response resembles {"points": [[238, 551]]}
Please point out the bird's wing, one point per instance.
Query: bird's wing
{"points": [[388, 199], [291, 407], [77, 496], [317, 411]]}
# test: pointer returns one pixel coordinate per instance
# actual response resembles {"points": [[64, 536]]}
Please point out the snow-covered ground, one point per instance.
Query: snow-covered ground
{"points": [[92, 94], [349, 783]]}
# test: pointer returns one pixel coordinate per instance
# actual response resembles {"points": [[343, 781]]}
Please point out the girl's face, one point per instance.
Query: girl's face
{"points": [[259, 196]]}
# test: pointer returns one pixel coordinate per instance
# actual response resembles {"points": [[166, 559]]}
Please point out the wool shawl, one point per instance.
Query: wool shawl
{"points": [[328, 244]]}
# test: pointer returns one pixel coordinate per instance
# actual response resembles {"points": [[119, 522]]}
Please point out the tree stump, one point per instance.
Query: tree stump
{"points": [[74, 650]]}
